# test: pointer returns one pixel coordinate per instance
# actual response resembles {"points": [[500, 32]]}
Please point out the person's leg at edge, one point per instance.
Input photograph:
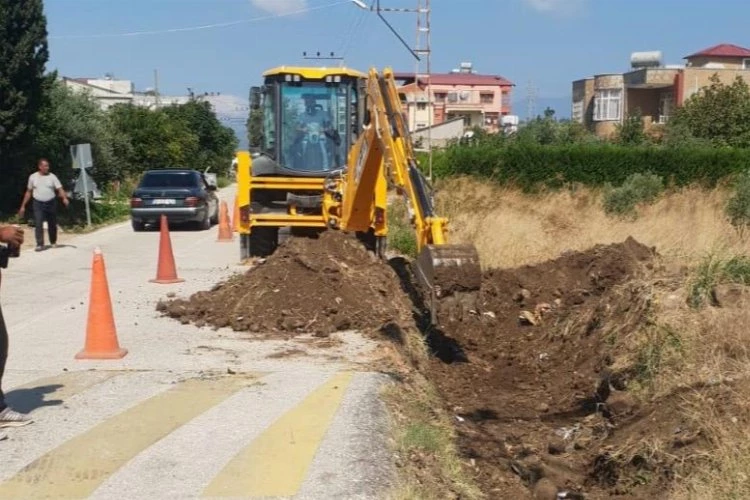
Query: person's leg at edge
{"points": [[39, 223], [52, 222]]}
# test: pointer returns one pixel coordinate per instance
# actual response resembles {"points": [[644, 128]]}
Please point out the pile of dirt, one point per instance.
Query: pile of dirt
{"points": [[533, 379], [319, 286]]}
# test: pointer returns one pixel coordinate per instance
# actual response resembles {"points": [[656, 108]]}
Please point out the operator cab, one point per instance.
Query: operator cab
{"points": [[310, 119]]}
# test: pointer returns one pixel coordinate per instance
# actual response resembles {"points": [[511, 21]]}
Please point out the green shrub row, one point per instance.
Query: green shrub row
{"points": [[531, 166]]}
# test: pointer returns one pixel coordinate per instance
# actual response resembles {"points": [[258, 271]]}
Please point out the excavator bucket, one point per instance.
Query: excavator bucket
{"points": [[449, 272]]}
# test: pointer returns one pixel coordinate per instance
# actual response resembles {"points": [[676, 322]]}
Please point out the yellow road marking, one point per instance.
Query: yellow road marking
{"points": [[76, 468], [276, 463], [56, 388]]}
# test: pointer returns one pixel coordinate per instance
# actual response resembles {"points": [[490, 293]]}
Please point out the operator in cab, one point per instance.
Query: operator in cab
{"points": [[317, 138]]}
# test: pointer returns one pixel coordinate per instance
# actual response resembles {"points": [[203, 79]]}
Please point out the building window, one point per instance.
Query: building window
{"points": [[746, 64], [608, 105], [666, 106], [421, 106], [440, 96], [486, 98]]}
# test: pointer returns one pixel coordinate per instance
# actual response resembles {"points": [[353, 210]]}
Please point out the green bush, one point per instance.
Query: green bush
{"points": [[532, 166], [638, 188], [738, 205], [401, 236], [222, 181], [714, 270]]}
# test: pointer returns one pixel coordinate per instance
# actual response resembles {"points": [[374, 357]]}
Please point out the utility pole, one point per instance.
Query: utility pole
{"points": [[424, 48], [530, 101]]}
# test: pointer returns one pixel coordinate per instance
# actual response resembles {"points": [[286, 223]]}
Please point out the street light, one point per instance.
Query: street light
{"points": [[361, 4]]}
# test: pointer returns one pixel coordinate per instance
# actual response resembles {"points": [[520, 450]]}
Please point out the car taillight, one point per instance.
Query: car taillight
{"points": [[136, 202], [192, 201]]}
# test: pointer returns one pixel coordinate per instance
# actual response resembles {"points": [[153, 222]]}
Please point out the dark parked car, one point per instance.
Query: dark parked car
{"points": [[181, 195]]}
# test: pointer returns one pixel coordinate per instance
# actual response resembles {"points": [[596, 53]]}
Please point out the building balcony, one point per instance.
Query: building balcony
{"points": [[650, 78]]}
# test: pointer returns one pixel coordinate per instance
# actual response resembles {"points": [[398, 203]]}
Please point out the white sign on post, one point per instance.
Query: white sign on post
{"points": [[81, 154]]}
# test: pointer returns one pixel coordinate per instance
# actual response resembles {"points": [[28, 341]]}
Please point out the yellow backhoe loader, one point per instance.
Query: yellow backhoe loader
{"points": [[331, 144]]}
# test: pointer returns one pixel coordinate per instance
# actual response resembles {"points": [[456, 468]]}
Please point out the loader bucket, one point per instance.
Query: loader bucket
{"points": [[448, 270]]}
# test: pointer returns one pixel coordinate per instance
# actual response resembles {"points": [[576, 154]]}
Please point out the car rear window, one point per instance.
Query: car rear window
{"points": [[169, 180]]}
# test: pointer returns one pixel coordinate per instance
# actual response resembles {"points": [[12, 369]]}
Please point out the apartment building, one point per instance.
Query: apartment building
{"points": [[602, 101], [108, 91], [480, 100]]}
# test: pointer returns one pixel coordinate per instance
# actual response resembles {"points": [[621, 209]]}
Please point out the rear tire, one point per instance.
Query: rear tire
{"points": [[205, 224], [137, 226], [263, 241]]}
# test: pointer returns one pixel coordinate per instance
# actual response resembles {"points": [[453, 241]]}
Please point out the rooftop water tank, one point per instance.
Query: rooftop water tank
{"points": [[651, 59]]}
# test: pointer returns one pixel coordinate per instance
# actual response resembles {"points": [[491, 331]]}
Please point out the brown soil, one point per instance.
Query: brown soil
{"points": [[537, 388], [317, 286], [537, 370]]}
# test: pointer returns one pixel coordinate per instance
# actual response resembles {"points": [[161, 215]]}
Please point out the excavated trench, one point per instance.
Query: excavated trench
{"points": [[529, 374]]}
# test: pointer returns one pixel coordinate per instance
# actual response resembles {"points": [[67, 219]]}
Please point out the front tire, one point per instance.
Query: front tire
{"points": [[263, 241]]}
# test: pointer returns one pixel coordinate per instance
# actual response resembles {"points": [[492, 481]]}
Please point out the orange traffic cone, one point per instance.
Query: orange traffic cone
{"points": [[166, 272], [101, 335], [236, 216], [225, 232]]}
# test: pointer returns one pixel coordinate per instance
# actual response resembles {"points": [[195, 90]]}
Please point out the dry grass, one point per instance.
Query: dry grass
{"points": [[510, 228], [423, 437], [430, 466], [685, 356]]}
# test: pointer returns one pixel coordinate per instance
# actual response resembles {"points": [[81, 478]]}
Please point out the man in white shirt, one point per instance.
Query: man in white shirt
{"points": [[43, 186]]}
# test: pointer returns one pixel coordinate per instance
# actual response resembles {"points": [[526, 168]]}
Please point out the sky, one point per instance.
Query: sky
{"points": [[225, 45]]}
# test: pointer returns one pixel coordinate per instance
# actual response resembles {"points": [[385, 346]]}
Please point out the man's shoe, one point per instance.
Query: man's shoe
{"points": [[12, 418], [39, 248], [3, 436]]}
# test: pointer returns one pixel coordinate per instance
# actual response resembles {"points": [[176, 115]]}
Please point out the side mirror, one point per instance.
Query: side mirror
{"points": [[255, 94]]}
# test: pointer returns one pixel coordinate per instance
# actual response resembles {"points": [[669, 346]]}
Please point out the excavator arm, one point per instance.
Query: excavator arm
{"points": [[384, 155]]}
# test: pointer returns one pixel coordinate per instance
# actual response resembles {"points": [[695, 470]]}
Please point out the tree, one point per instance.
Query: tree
{"points": [[216, 143], [23, 56], [631, 132], [153, 139], [719, 113], [69, 118]]}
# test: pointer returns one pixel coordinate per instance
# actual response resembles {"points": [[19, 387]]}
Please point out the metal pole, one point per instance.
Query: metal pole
{"points": [[430, 105], [85, 189]]}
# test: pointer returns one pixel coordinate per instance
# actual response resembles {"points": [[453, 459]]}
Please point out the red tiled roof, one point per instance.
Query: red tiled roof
{"points": [[722, 50], [458, 79]]}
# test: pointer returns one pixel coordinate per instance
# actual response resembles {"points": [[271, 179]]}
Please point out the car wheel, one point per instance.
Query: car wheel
{"points": [[215, 218], [206, 223], [137, 226]]}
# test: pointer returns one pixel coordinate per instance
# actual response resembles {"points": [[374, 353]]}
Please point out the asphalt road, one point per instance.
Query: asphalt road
{"points": [[188, 412]]}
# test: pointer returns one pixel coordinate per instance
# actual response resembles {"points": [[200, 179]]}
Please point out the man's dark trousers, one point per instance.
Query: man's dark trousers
{"points": [[3, 356], [45, 210]]}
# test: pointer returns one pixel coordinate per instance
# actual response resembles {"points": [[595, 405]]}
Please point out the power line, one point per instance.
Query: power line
{"points": [[202, 27]]}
